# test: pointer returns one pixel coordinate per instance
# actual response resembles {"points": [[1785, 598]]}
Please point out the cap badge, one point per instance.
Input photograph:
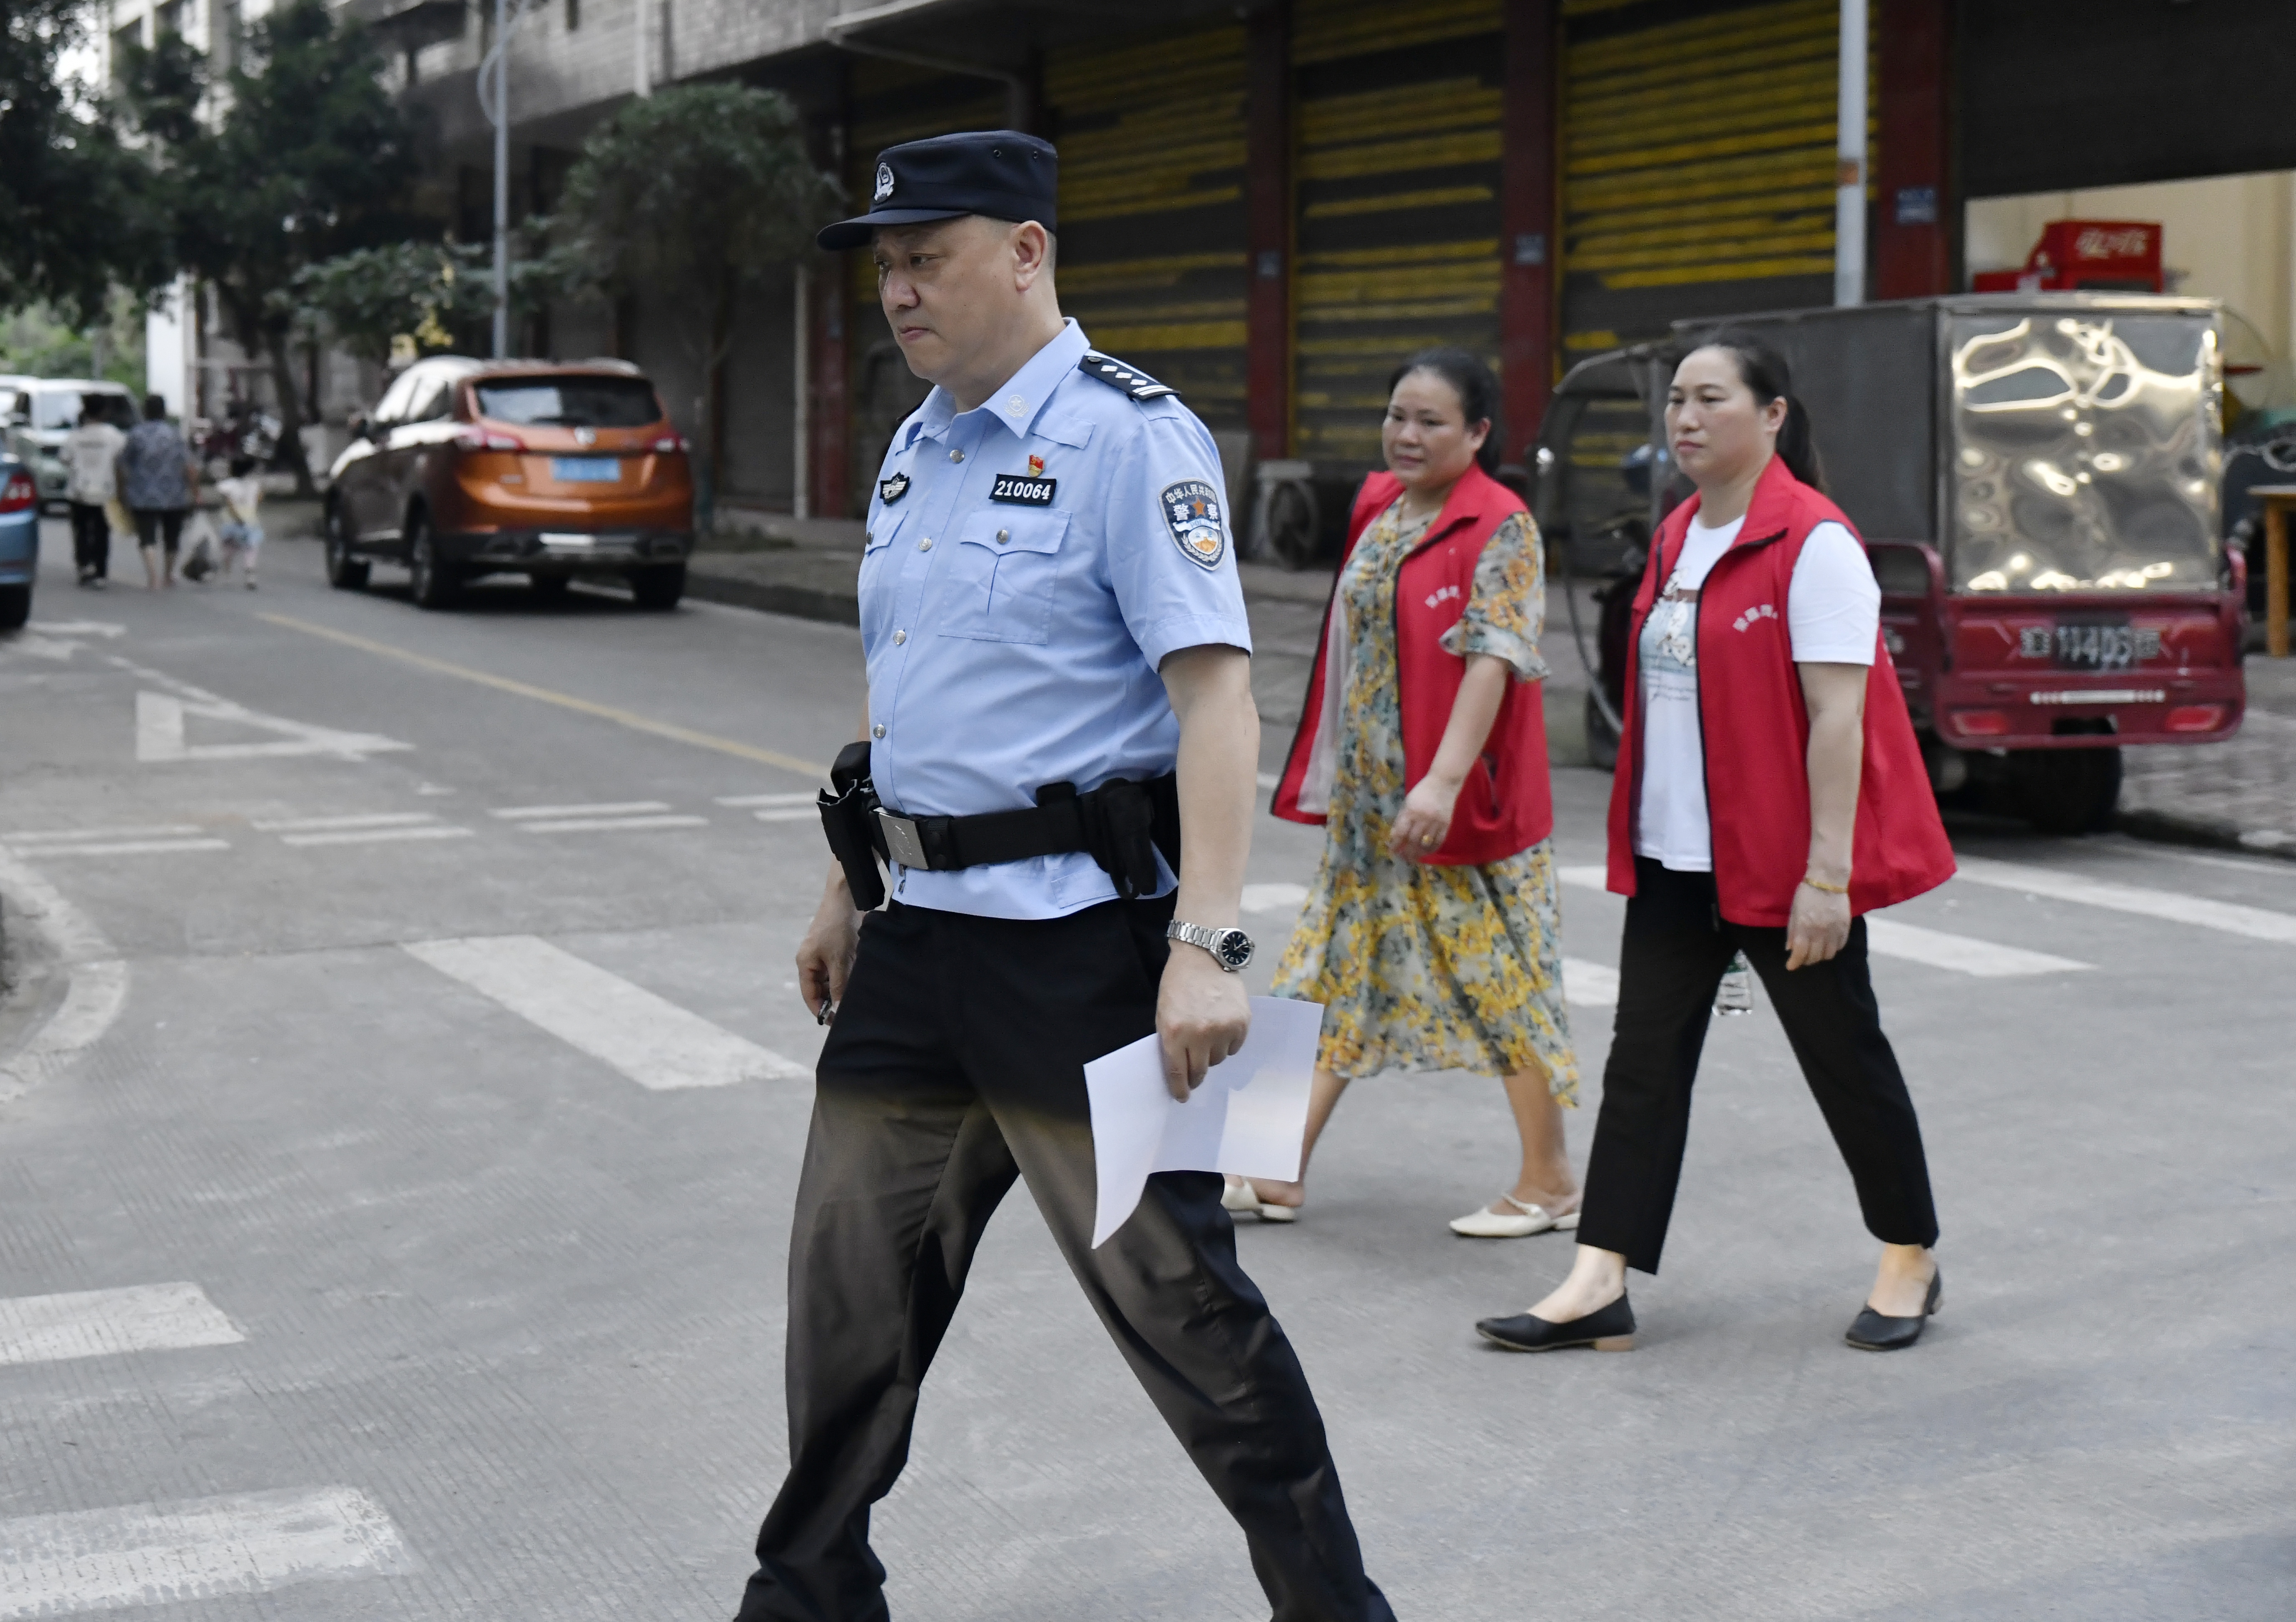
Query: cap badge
{"points": [[1036, 467], [1192, 511], [884, 182]]}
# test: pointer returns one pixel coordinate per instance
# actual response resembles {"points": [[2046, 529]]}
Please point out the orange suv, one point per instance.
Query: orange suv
{"points": [[558, 470]]}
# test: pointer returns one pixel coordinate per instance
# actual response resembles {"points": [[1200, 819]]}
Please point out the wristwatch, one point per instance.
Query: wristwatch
{"points": [[1231, 949]]}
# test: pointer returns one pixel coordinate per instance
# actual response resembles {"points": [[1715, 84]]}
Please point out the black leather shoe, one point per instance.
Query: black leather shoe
{"points": [[1878, 1332], [1606, 1329]]}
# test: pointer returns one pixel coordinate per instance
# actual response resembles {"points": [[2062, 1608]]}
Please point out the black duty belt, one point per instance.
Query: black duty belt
{"points": [[1121, 825]]}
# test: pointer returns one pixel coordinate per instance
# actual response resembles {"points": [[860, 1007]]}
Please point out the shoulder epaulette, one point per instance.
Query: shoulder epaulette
{"points": [[1116, 374]]}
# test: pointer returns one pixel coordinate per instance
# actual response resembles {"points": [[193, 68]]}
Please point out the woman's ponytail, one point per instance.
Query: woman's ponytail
{"points": [[1764, 371]]}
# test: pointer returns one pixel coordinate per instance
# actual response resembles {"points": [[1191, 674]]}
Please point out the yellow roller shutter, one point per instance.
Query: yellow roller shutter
{"points": [[1698, 163], [1150, 131], [1396, 204]]}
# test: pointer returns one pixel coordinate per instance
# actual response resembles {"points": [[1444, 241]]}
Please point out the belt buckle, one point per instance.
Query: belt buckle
{"points": [[903, 844]]}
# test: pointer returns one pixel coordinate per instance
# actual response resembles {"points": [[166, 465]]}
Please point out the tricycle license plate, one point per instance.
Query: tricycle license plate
{"points": [[2095, 643], [587, 469]]}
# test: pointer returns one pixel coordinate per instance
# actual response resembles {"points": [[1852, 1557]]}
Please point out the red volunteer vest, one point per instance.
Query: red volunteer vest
{"points": [[1757, 729], [1505, 805]]}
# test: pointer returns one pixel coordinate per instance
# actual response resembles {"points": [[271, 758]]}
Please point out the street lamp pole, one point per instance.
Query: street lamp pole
{"points": [[1850, 160], [502, 179]]}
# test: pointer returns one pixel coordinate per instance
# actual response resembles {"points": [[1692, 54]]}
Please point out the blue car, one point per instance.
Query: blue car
{"points": [[20, 542]]}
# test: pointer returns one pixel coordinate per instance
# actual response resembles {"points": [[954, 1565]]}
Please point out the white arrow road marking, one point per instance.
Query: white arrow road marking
{"points": [[1889, 937], [160, 733], [80, 628], [149, 1554], [2255, 922], [652, 1041], [101, 1322], [97, 990]]}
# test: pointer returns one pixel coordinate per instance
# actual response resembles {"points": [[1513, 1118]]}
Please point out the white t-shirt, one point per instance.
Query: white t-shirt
{"points": [[1833, 616]]}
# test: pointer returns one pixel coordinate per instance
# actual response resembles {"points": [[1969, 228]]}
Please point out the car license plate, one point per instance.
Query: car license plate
{"points": [[2094, 642], [587, 469]]}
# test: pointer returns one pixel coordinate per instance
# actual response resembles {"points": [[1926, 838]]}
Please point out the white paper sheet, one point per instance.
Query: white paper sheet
{"points": [[1249, 1118]]}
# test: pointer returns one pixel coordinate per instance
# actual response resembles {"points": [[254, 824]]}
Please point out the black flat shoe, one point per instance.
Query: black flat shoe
{"points": [[1879, 1332], [1606, 1329]]}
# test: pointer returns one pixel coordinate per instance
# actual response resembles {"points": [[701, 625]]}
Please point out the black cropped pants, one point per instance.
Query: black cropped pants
{"points": [[91, 540], [954, 1067], [1671, 960]]}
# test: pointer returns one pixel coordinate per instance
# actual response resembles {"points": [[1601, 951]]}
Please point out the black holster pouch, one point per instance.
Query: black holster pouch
{"points": [[1124, 825], [848, 811]]}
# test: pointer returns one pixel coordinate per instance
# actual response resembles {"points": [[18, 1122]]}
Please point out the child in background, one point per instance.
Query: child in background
{"points": [[240, 533]]}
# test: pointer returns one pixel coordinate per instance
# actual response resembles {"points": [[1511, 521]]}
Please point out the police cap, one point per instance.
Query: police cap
{"points": [[1000, 172]]}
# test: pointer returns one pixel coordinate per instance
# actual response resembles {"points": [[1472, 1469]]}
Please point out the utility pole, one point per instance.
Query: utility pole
{"points": [[644, 15], [1850, 160], [502, 179]]}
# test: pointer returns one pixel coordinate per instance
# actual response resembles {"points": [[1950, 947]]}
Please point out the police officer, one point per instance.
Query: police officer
{"points": [[1053, 624]]}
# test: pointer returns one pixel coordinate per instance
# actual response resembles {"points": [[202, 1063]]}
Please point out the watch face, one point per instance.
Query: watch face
{"points": [[1235, 948]]}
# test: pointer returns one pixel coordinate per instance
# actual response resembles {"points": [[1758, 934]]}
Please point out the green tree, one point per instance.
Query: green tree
{"points": [[370, 298], [78, 212], [692, 195], [309, 159]]}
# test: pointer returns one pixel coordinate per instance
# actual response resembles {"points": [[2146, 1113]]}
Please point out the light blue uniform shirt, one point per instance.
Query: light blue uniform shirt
{"points": [[1029, 564]]}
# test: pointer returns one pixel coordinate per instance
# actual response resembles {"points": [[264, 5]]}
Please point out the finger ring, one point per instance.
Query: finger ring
{"points": [[1427, 838]]}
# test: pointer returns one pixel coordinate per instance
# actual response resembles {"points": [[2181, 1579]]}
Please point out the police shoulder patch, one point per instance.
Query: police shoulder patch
{"points": [[1192, 511], [1130, 380], [890, 490]]}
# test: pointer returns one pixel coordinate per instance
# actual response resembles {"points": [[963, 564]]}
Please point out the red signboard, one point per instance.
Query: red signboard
{"points": [[2105, 256]]}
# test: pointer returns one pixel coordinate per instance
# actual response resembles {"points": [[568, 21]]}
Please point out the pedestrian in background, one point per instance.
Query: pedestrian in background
{"points": [[1769, 792], [157, 478], [241, 530], [91, 453], [1432, 934]]}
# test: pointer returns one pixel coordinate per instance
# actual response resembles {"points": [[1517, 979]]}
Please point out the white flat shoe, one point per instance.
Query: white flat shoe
{"points": [[1240, 1197], [1521, 1222]]}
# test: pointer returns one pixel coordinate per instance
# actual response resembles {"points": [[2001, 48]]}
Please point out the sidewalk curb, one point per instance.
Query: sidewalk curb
{"points": [[799, 601], [2172, 827]]}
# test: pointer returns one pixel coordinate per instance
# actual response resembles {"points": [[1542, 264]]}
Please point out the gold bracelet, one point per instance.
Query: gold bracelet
{"points": [[1830, 889]]}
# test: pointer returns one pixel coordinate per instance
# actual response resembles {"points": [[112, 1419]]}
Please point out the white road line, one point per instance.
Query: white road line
{"points": [[2255, 922], [76, 836], [377, 819], [1590, 985], [1270, 780], [100, 1322], [652, 1041], [1889, 937], [744, 802], [131, 848], [96, 993], [796, 814], [1272, 897], [1961, 953], [378, 836], [147, 1554], [606, 824], [625, 808]]}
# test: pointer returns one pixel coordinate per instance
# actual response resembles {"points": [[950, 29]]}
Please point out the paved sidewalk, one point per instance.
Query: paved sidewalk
{"points": [[2241, 794]]}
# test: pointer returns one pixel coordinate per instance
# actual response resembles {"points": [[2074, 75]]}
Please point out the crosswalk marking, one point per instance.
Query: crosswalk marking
{"points": [[101, 1322], [1963, 953], [378, 836], [130, 847], [628, 807], [1590, 985], [804, 814], [607, 824], [2255, 922], [652, 1041], [1890, 938], [79, 836], [144, 1554], [324, 824]]}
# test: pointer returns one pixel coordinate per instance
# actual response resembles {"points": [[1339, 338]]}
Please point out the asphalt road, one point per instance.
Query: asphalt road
{"points": [[368, 1251]]}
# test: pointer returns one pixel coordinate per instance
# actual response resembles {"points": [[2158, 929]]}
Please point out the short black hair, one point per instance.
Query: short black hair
{"points": [[242, 466], [155, 406], [1472, 382]]}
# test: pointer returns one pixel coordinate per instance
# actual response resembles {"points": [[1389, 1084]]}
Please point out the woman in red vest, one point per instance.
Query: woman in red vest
{"points": [[1432, 934], [1769, 792]]}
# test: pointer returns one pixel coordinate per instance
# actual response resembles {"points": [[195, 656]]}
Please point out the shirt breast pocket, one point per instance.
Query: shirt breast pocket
{"points": [[1002, 576], [878, 574]]}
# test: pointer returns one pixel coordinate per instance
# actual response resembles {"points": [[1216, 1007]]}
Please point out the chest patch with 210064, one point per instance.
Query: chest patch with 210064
{"points": [[1023, 491], [1191, 509]]}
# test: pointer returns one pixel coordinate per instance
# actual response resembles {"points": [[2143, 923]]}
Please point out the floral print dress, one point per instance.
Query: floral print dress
{"points": [[1424, 968]]}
